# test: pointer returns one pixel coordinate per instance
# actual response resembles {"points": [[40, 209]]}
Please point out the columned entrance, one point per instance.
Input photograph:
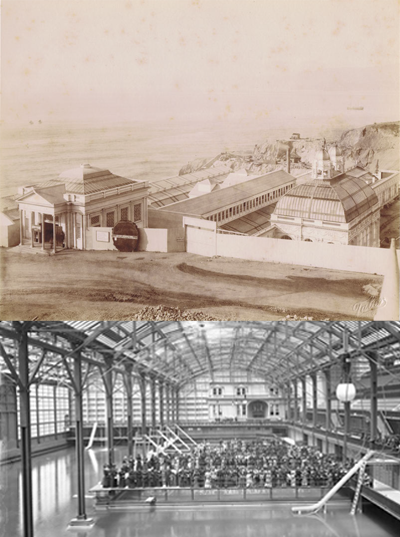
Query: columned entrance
{"points": [[43, 230]]}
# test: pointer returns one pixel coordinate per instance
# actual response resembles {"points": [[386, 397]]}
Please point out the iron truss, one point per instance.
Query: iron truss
{"points": [[178, 352]]}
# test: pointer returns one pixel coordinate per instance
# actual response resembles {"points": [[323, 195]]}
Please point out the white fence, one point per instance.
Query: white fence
{"points": [[204, 240]]}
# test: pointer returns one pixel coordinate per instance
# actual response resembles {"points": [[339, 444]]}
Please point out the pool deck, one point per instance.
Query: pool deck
{"points": [[384, 496]]}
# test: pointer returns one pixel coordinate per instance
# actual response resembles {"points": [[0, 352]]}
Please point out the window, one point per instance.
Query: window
{"points": [[137, 212], [110, 219], [124, 213], [49, 410], [95, 221], [241, 391], [217, 390]]}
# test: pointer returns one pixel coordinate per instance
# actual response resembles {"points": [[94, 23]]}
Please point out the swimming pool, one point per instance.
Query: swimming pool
{"points": [[54, 484]]}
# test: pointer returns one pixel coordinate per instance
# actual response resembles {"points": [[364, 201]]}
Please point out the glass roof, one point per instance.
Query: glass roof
{"points": [[178, 352]]}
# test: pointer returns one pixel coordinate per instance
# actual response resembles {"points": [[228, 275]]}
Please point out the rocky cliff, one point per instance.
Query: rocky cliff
{"points": [[364, 146], [379, 141]]}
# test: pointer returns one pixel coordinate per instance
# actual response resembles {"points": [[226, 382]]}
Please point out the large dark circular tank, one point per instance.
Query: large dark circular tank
{"points": [[125, 236]]}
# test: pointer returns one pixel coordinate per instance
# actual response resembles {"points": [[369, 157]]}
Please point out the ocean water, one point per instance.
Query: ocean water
{"points": [[148, 151]]}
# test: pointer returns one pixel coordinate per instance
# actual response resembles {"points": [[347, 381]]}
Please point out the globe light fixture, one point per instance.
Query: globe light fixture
{"points": [[346, 392]]}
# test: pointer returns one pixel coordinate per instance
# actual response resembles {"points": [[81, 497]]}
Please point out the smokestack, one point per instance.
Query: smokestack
{"points": [[288, 160]]}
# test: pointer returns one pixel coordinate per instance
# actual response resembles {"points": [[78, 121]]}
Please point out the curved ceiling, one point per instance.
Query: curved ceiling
{"points": [[178, 352]]}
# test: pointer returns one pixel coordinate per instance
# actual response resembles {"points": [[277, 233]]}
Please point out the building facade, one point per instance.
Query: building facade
{"points": [[334, 206], [58, 213]]}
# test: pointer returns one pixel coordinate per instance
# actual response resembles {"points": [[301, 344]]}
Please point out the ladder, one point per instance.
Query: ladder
{"points": [[358, 488]]}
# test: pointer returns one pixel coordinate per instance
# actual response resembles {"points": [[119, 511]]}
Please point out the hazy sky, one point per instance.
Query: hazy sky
{"points": [[212, 59]]}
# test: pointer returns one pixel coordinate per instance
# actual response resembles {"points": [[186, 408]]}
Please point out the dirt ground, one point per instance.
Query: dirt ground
{"points": [[111, 285]]}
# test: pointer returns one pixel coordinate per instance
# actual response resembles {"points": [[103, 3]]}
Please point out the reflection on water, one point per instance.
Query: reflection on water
{"points": [[244, 521], [54, 485]]}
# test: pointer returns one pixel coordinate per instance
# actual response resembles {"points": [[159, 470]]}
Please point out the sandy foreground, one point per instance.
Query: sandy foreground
{"points": [[75, 285]]}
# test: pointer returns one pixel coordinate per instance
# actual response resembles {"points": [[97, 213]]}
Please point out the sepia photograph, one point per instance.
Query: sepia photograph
{"points": [[207, 192], [200, 160]]}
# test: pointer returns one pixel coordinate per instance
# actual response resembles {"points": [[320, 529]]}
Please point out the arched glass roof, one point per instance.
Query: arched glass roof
{"points": [[178, 352]]}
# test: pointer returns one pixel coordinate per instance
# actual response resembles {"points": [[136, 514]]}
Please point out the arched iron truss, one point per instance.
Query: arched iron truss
{"points": [[177, 352]]}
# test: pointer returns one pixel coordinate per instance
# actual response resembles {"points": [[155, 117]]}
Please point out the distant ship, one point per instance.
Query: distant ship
{"points": [[355, 108]]}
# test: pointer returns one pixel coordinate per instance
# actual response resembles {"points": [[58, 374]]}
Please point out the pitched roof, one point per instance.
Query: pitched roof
{"points": [[87, 180], [251, 223], [51, 195], [177, 188], [209, 203]]}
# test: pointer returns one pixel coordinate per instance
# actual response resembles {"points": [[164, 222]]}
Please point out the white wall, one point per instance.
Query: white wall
{"points": [[153, 240], [94, 233], [331, 256], [150, 240]]}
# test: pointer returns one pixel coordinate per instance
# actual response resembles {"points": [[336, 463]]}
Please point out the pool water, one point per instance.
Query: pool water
{"points": [[55, 504]]}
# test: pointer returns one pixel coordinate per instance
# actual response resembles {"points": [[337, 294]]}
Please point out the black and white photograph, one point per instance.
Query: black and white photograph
{"points": [[200, 160]]}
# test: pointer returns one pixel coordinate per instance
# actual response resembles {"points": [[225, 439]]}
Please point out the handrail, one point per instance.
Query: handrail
{"points": [[317, 506], [185, 434], [176, 437], [149, 439]]}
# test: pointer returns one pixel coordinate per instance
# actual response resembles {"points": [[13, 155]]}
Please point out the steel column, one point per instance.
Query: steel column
{"points": [[161, 401], [176, 405], [25, 429], [296, 401], [153, 401], [373, 364], [304, 399], [108, 384], [167, 406], [55, 410], [142, 384], [328, 405], [129, 410], [79, 435], [315, 399], [346, 429], [173, 404], [289, 400]]}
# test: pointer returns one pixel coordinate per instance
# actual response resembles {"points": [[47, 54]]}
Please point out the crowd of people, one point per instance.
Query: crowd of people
{"points": [[227, 465]]}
